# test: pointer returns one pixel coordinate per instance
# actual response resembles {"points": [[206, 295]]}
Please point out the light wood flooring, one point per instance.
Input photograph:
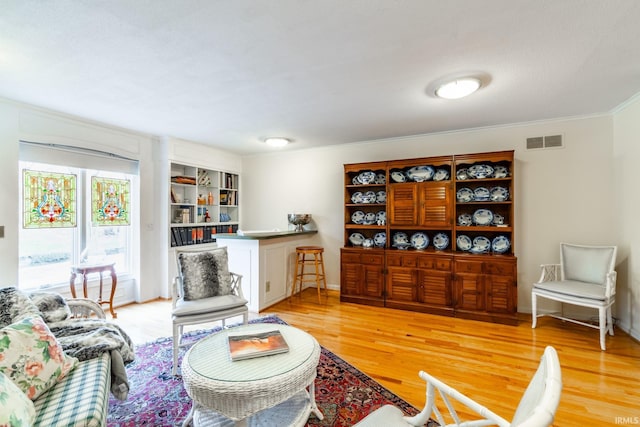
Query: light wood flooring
{"points": [[490, 363]]}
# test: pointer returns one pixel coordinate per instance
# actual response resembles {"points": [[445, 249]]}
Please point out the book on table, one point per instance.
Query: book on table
{"points": [[246, 346]]}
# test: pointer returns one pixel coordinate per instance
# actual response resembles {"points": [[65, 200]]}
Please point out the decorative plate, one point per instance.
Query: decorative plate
{"points": [[355, 181], [500, 171], [420, 173], [499, 194], [461, 175], [480, 171], [367, 243], [465, 220], [369, 197], [481, 194], [356, 239], [482, 217], [357, 217], [500, 244], [402, 245], [381, 216], [481, 243], [400, 237], [357, 197], [380, 179], [419, 240], [464, 195], [441, 175], [497, 219], [369, 218], [464, 242], [398, 176], [440, 241], [380, 239], [381, 197], [476, 250], [366, 177]]}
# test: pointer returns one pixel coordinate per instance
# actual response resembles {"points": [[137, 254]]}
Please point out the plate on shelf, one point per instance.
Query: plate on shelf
{"points": [[464, 242], [400, 237], [369, 218], [355, 181], [441, 175], [480, 171], [481, 194], [357, 217], [476, 250], [356, 239], [465, 220], [398, 176], [366, 177], [481, 243], [381, 217], [369, 197], [482, 217], [419, 240], [420, 173], [440, 241], [497, 219], [464, 195], [367, 243], [402, 245], [500, 171], [499, 194], [381, 197], [500, 244], [380, 179], [461, 175], [380, 239], [357, 197]]}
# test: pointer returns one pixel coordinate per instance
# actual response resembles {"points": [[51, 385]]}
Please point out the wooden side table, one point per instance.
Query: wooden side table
{"points": [[85, 270]]}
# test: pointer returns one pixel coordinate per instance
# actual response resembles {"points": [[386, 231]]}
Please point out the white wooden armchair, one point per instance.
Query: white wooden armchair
{"points": [[537, 406], [584, 277], [204, 291]]}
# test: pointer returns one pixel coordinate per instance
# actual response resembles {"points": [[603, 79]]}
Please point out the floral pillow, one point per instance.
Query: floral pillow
{"points": [[32, 357], [15, 407]]}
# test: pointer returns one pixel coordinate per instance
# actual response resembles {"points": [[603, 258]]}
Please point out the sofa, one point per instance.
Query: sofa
{"points": [[42, 383]]}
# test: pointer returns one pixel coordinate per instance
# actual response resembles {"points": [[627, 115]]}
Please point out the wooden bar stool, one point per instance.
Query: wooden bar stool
{"points": [[309, 255]]}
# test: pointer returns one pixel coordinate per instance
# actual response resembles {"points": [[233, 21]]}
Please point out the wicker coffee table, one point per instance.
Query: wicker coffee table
{"points": [[267, 390]]}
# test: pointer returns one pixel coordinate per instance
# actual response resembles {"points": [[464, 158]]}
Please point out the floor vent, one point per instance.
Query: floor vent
{"points": [[540, 142]]}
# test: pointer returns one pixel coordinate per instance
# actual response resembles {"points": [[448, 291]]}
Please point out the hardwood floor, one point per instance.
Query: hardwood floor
{"points": [[490, 363]]}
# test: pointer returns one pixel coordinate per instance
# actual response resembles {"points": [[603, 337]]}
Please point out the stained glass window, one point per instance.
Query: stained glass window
{"points": [[49, 199], [110, 201]]}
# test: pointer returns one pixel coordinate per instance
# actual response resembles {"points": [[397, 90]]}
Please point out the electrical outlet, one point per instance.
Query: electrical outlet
{"points": [[268, 286]]}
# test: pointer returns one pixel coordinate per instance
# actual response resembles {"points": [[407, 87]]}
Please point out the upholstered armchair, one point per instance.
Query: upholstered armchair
{"points": [[204, 291], [585, 277], [537, 406]]}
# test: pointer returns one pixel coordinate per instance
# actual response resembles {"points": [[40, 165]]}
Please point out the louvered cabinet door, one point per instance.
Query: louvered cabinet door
{"points": [[403, 204], [436, 205]]}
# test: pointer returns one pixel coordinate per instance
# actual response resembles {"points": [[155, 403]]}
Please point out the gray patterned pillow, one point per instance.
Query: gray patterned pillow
{"points": [[204, 274], [52, 305]]}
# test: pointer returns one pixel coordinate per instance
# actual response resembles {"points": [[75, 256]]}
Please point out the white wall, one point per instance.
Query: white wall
{"points": [[562, 194], [626, 158]]}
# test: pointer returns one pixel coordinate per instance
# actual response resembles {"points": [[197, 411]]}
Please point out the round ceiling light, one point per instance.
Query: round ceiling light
{"points": [[458, 88], [277, 141]]}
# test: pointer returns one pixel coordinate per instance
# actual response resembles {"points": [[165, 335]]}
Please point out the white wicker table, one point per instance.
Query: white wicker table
{"points": [[263, 391]]}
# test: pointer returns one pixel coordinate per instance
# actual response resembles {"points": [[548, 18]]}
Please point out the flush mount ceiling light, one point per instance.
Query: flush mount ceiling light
{"points": [[458, 88], [277, 141]]}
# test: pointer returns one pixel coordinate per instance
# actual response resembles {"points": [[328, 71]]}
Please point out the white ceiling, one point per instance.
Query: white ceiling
{"points": [[230, 73]]}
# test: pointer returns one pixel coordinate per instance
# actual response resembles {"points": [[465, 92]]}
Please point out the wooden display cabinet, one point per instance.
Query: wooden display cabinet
{"points": [[449, 280]]}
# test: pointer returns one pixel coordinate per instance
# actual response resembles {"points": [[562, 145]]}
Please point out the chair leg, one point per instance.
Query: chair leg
{"points": [[603, 327], [176, 345], [534, 315], [610, 321]]}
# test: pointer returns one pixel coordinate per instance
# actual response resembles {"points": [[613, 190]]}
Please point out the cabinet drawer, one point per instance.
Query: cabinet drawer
{"points": [[469, 267], [409, 261], [350, 257], [397, 260], [394, 260], [435, 263], [371, 259], [500, 268]]}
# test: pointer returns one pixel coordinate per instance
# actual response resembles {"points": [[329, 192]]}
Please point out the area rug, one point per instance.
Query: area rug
{"points": [[344, 394]]}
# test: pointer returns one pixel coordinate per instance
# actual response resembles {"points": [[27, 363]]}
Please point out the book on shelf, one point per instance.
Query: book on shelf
{"points": [[247, 346]]}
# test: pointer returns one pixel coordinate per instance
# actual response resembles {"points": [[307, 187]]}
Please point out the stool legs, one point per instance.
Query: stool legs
{"points": [[319, 271]]}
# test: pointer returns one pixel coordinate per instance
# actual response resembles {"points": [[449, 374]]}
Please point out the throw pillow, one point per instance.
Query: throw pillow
{"points": [[52, 306], [15, 407], [32, 357], [14, 306], [205, 274]]}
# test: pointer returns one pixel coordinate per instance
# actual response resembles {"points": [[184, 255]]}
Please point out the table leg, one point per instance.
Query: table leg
{"points": [[312, 398], [189, 418], [84, 284], [72, 284], [114, 283]]}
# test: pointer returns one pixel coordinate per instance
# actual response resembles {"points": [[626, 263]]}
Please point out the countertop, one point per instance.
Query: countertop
{"points": [[264, 235]]}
